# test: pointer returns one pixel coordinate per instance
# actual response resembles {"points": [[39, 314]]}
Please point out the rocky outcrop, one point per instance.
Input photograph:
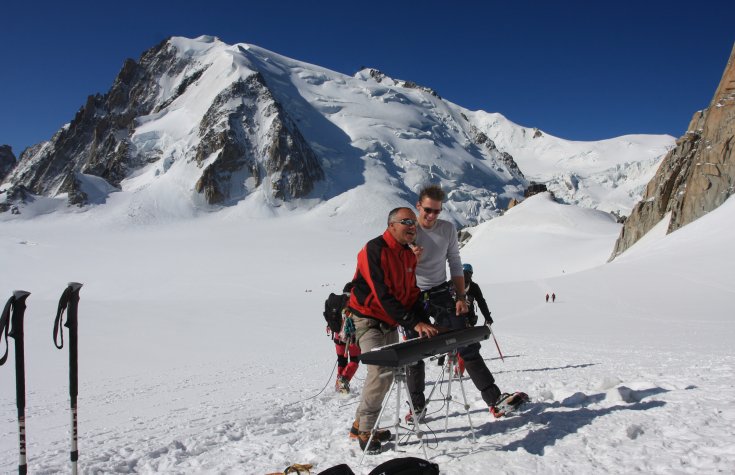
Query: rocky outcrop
{"points": [[697, 176], [380, 76], [246, 154], [534, 189], [7, 161], [480, 139], [97, 140]]}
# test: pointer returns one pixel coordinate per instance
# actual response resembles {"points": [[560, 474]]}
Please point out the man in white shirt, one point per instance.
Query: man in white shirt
{"points": [[437, 245]]}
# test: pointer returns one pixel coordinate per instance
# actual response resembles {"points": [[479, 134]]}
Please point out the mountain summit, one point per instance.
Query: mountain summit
{"points": [[197, 124]]}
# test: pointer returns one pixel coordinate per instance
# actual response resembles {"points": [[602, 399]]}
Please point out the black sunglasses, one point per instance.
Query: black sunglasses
{"points": [[407, 222], [430, 210]]}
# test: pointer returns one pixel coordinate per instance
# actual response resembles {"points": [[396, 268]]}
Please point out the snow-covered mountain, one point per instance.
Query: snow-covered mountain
{"points": [[197, 124], [609, 175]]}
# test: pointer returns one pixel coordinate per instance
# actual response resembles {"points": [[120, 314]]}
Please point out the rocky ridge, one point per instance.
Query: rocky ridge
{"points": [[7, 161], [99, 139], [697, 176]]}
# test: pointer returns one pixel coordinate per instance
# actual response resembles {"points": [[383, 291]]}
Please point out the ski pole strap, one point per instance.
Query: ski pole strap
{"points": [[4, 327], [58, 331]]}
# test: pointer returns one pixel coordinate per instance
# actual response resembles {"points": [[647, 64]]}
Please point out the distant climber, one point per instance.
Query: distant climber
{"points": [[474, 295], [547, 298], [553, 298]]}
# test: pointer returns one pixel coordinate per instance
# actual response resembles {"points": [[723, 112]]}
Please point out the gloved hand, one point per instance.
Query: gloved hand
{"points": [[489, 319]]}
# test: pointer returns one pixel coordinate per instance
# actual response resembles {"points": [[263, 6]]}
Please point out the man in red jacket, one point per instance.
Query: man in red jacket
{"points": [[384, 296]]}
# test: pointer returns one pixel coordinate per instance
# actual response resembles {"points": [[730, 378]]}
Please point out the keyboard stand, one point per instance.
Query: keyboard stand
{"points": [[399, 383], [450, 373]]}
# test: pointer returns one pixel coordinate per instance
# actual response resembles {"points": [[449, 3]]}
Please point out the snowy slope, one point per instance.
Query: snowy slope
{"points": [[609, 175], [554, 239], [202, 347]]}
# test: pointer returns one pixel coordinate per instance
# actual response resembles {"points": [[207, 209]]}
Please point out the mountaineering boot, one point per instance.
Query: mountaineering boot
{"points": [[373, 448], [342, 385], [409, 417], [508, 403], [381, 435]]}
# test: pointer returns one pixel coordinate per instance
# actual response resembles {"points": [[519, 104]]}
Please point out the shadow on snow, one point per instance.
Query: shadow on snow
{"points": [[545, 429]]}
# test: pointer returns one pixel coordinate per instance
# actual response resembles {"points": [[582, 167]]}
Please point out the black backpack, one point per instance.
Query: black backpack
{"points": [[406, 466], [333, 311], [400, 466]]}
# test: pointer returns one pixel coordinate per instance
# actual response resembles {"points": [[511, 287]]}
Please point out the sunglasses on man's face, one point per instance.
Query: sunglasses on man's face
{"points": [[430, 210], [407, 222]]}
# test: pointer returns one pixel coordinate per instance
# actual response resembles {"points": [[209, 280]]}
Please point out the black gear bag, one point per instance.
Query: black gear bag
{"points": [[406, 466], [333, 311]]}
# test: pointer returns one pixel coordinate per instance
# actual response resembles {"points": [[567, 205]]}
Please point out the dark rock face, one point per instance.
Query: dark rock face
{"points": [[281, 155], [380, 76], [534, 189], [14, 194], [7, 161], [98, 139], [697, 176], [481, 139]]}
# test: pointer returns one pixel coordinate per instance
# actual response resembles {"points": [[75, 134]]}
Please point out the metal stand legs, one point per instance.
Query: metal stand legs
{"points": [[399, 383], [450, 373]]}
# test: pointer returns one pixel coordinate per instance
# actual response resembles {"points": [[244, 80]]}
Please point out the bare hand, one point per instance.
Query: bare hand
{"points": [[425, 329], [417, 250], [462, 306]]}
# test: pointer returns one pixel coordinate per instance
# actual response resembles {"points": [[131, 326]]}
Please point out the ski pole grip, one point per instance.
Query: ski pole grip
{"points": [[20, 294], [16, 319], [75, 286]]}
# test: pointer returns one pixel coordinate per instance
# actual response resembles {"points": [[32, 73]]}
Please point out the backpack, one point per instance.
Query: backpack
{"points": [[406, 466], [333, 311], [399, 466], [341, 469]]}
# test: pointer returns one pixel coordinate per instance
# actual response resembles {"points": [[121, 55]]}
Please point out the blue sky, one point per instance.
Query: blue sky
{"points": [[578, 70]]}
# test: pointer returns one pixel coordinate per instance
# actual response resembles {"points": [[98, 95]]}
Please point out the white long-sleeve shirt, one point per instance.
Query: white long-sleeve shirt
{"points": [[440, 246]]}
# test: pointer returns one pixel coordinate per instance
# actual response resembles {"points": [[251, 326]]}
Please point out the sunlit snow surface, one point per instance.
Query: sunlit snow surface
{"points": [[202, 345]]}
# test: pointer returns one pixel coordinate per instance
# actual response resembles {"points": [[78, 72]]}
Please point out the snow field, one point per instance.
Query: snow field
{"points": [[202, 347]]}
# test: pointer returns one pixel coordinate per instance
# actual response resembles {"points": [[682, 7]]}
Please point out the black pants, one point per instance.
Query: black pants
{"points": [[441, 307]]}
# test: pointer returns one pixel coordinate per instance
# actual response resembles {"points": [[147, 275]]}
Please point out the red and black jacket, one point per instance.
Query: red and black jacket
{"points": [[385, 283]]}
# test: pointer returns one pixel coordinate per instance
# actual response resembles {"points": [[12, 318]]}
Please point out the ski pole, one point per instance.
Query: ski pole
{"points": [[69, 301], [18, 305], [498, 347]]}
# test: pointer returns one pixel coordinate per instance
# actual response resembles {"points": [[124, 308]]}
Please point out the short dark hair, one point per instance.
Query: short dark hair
{"points": [[433, 192], [394, 212]]}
